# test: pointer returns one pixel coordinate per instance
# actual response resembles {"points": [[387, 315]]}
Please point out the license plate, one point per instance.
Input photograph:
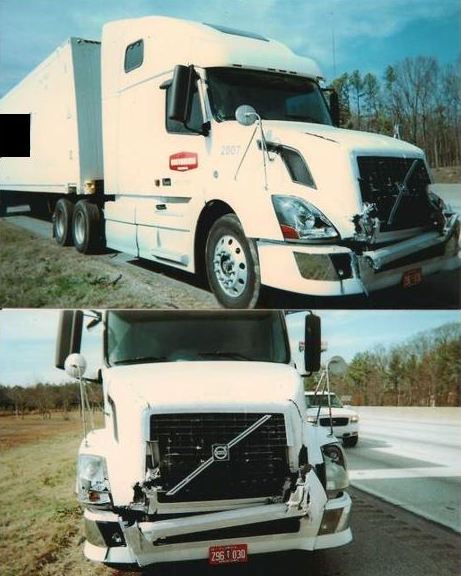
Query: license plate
{"points": [[229, 554], [412, 278]]}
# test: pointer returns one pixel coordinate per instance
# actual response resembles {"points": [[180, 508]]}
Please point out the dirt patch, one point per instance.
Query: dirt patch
{"points": [[16, 431], [447, 175], [36, 273]]}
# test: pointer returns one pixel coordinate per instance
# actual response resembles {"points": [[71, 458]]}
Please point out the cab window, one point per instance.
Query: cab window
{"points": [[134, 55]]}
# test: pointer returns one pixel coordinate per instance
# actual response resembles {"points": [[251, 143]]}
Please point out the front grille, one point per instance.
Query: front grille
{"points": [[257, 466], [379, 180], [335, 421]]}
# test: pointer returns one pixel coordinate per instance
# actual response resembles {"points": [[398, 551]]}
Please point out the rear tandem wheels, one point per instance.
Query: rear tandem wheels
{"points": [[78, 224]]}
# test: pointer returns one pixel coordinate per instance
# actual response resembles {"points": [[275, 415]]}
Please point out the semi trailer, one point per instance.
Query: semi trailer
{"points": [[206, 452], [217, 152]]}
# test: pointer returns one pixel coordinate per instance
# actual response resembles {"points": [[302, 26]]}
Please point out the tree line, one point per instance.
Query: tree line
{"points": [[417, 99], [46, 399], [423, 371]]}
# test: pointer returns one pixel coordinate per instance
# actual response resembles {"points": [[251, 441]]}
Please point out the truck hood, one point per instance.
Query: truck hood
{"points": [[330, 154], [204, 386], [352, 141]]}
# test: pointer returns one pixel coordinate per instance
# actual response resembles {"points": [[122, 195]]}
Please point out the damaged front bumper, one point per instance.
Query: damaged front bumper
{"points": [[333, 270], [308, 521]]}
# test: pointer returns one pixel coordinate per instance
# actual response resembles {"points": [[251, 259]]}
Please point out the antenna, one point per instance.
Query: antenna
{"points": [[333, 42]]}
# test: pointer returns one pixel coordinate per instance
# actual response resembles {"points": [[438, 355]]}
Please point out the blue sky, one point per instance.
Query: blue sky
{"points": [[27, 337], [368, 34]]}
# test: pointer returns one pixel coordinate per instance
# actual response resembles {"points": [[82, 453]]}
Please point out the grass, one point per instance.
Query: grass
{"points": [[35, 272], [70, 277], [40, 520]]}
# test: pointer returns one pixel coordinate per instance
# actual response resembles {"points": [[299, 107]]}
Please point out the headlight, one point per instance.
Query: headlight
{"points": [[300, 220], [438, 203], [92, 480], [311, 419], [335, 469], [354, 419]]}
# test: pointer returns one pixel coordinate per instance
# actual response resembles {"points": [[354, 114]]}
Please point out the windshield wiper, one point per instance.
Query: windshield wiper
{"points": [[140, 360], [235, 355]]}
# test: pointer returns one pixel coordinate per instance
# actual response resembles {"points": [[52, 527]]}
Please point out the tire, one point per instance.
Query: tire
{"points": [[86, 227], [350, 442], [232, 264], [62, 222]]}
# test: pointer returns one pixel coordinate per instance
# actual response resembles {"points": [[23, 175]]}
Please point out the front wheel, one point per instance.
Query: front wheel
{"points": [[86, 227], [232, 264]]}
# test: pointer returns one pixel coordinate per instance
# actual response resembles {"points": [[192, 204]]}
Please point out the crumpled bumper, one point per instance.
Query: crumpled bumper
{"points": [[332, 270], [322, 524]]}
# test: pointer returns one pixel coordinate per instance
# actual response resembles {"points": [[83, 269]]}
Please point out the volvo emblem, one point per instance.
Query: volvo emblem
{"points": [[220, 452]]}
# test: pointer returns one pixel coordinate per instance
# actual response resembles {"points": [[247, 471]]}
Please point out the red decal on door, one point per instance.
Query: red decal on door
{"points": [[183, 161]]}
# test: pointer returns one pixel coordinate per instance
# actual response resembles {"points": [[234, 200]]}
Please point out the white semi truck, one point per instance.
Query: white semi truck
{"points": [[214, 151], [206, 452]]}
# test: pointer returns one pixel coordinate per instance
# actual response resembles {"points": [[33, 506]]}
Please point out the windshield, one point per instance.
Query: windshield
{"points": [[273, 96], [151, 336], [322, 400]]}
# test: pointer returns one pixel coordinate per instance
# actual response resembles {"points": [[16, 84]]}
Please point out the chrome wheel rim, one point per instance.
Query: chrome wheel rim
{"points": [[230, 266], [79, 228], [60, 224]]}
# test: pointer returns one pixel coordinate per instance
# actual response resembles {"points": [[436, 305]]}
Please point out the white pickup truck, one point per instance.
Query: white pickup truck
{"points": [[215, 151], [206, 452]]}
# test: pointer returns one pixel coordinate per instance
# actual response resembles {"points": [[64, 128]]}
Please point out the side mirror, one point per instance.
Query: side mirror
{"points": [[180, 101], [246, 115], [75, 365], [69, 336], [337, 366], [334, 108], [312, 346]]}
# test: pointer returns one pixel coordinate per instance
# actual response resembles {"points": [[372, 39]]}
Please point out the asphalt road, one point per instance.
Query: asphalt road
{"points": [[441, 291], [411, 457], [387, 541]]}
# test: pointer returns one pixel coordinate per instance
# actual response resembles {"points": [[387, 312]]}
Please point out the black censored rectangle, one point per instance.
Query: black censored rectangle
{"points": [[14, 135]]}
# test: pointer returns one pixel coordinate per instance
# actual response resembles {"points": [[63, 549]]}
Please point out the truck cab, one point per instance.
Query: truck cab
{"points": [[206, 452], [277, 196]]}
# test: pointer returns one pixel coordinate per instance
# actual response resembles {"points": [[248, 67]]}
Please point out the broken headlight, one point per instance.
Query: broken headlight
{"points": [[337, 477], [438, 203], [92, 481], [300, 220]]}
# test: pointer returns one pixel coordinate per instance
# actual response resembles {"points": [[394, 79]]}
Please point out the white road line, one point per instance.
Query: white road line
{"points": [[389, 473]]}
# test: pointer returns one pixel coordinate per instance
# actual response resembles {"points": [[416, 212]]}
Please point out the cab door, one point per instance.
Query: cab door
{"points": [[179, 186]]}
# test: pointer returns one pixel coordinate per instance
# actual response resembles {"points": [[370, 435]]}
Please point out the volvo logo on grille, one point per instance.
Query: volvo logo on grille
{"points": [[220, 452]]}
